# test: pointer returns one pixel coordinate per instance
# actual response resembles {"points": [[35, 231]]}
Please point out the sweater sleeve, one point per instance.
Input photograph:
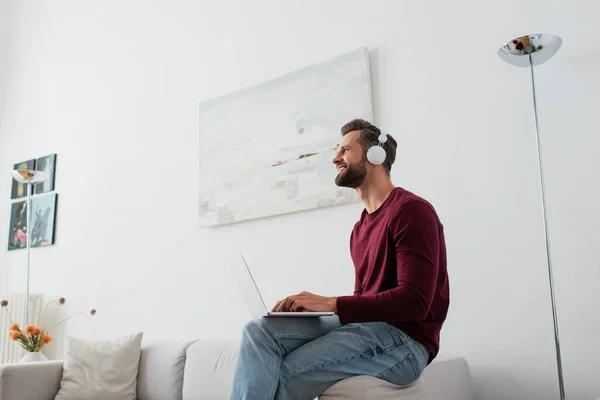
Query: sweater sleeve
{"points": [[357, 285], [415, 232]]}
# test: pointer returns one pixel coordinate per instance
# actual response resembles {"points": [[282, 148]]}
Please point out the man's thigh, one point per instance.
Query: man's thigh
{"points": [[291, 333], [375, 349]]}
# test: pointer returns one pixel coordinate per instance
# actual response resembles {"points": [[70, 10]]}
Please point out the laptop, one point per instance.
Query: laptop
{"points": [[253, 298]]}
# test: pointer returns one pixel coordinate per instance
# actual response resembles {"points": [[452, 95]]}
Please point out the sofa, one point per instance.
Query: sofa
{"points": [[203, 370]]}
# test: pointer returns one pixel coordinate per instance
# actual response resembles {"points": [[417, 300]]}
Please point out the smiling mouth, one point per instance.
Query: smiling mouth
{"points": [[341, 169]]}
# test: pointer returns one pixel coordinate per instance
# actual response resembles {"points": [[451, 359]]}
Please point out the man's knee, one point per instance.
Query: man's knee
{"points": [[258, 326], [253, 326]]}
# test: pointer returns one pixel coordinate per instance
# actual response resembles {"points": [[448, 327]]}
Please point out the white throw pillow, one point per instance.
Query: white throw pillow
{"points": [[101, 369]]}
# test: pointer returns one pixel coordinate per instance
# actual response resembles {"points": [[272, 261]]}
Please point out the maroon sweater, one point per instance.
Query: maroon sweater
{"points": [[399, 255]]}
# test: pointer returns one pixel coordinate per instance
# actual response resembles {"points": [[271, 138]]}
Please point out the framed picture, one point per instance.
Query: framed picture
{"points": [[47, 164], [19, 189], [43, 217], [267, 150], [17, 233]]}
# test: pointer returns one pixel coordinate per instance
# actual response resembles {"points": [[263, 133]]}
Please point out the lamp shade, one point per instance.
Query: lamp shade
{"points": [[541, 46], [29, 175]]}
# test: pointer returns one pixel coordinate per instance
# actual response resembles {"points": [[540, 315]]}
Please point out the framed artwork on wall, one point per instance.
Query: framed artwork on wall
{"points": [[46, 164], [41, 228], [43, 220], [18, 189], [17, 232], [267, 150]]}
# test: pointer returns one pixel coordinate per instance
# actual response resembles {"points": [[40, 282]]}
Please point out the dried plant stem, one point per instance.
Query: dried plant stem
{"points": [[68, 318], [8, 314], [47, 305]]}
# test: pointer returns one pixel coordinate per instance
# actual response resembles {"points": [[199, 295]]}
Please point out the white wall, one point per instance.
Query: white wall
{"points": [[6, 28], [113, 88]]}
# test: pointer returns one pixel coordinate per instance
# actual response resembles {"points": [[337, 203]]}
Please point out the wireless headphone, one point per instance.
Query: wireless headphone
{"points": [[376, 154]]}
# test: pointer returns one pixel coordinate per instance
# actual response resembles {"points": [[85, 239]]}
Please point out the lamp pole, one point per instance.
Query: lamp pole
{"points": [[28, 177], [527, 51], [28, 249]]}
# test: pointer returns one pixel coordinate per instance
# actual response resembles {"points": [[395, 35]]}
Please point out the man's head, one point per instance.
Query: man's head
{"points": [[351, 159]]}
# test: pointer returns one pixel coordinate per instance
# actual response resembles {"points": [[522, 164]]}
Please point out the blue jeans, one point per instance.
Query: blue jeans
{"points": [[300, 358]]}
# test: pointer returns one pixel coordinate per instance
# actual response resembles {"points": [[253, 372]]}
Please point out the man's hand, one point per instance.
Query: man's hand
{"points": [[306, 301]]}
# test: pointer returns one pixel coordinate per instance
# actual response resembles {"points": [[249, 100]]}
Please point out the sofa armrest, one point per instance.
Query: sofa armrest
{"points": [[32, 380]]}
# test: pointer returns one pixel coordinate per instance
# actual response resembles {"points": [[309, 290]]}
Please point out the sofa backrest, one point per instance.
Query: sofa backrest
{"points": [[161, 371], [209, 370], [192, 370]]}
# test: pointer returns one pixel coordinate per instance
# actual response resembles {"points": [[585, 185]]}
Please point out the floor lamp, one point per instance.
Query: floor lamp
{"points": [[29, 177], [528, 51]]}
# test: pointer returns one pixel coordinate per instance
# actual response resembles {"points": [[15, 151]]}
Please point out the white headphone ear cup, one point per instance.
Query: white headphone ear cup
{"points": [[376, 155]]}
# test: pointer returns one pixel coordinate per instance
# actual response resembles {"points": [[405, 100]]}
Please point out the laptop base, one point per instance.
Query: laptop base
{"points": [[299, 314]]}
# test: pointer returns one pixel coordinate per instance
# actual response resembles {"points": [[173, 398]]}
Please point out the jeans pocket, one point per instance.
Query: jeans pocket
{"points": [[403, 373], [423, 353], [399, 336]]}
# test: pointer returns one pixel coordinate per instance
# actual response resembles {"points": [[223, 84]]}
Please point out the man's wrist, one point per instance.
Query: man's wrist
{"points": [[334, 304]]}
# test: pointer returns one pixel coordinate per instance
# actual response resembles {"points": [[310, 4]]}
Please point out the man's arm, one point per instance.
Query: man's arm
{"points": [[416, 234], [307, 301]]}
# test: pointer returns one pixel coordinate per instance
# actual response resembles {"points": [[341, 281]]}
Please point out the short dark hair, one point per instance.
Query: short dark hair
{"points": [[369, 136]]}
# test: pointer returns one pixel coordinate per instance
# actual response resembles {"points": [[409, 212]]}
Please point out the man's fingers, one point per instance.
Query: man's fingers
{"points": [[291, 303], [294, 305], [276, 306], [281, 305], [285, 304]]}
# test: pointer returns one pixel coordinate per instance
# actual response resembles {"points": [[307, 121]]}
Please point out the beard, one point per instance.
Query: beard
{"points": [[353, 176]]}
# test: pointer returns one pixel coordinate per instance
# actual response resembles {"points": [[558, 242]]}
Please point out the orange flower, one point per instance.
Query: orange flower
{"points": [[14, 335], [29, 329], [36, 331], [46, 338], [14, 327]]}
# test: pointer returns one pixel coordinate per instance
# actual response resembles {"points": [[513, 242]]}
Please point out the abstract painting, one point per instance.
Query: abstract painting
{"points": [[43, 215], [47, 164], [17, 233], [19, 189], [267, 150]]}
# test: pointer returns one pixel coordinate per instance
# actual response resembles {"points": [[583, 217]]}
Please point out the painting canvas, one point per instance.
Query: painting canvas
{"points": [[47, 164], [267, 150], [19, 189], [17, 233], [43, 215]]}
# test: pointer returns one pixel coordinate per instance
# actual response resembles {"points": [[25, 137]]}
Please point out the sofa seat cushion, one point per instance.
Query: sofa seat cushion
{"points": [[209, 370], [444, 379], [160, 375]]}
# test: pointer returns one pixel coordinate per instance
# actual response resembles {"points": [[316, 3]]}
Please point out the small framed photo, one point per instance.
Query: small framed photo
{"points": [[46, 164], [17, 232], [19, 189], [43, 220]]}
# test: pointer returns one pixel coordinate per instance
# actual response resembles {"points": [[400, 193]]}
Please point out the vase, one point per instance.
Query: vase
{"points": [[34, 356]]}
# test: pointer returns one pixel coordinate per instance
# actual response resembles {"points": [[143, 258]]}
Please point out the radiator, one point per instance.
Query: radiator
{"points": [[11, 351]]}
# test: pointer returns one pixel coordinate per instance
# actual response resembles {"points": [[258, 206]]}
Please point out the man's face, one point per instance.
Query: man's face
{"points": [[350, 161]]}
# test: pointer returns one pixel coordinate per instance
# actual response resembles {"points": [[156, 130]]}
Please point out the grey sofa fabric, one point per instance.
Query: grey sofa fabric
{"points": [[447, 379], [161, 369], [209, 370], [29, 381], [203, 370]]}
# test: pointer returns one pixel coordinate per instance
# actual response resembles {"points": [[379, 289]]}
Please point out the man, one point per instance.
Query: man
{"points": [[389, 328]]}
